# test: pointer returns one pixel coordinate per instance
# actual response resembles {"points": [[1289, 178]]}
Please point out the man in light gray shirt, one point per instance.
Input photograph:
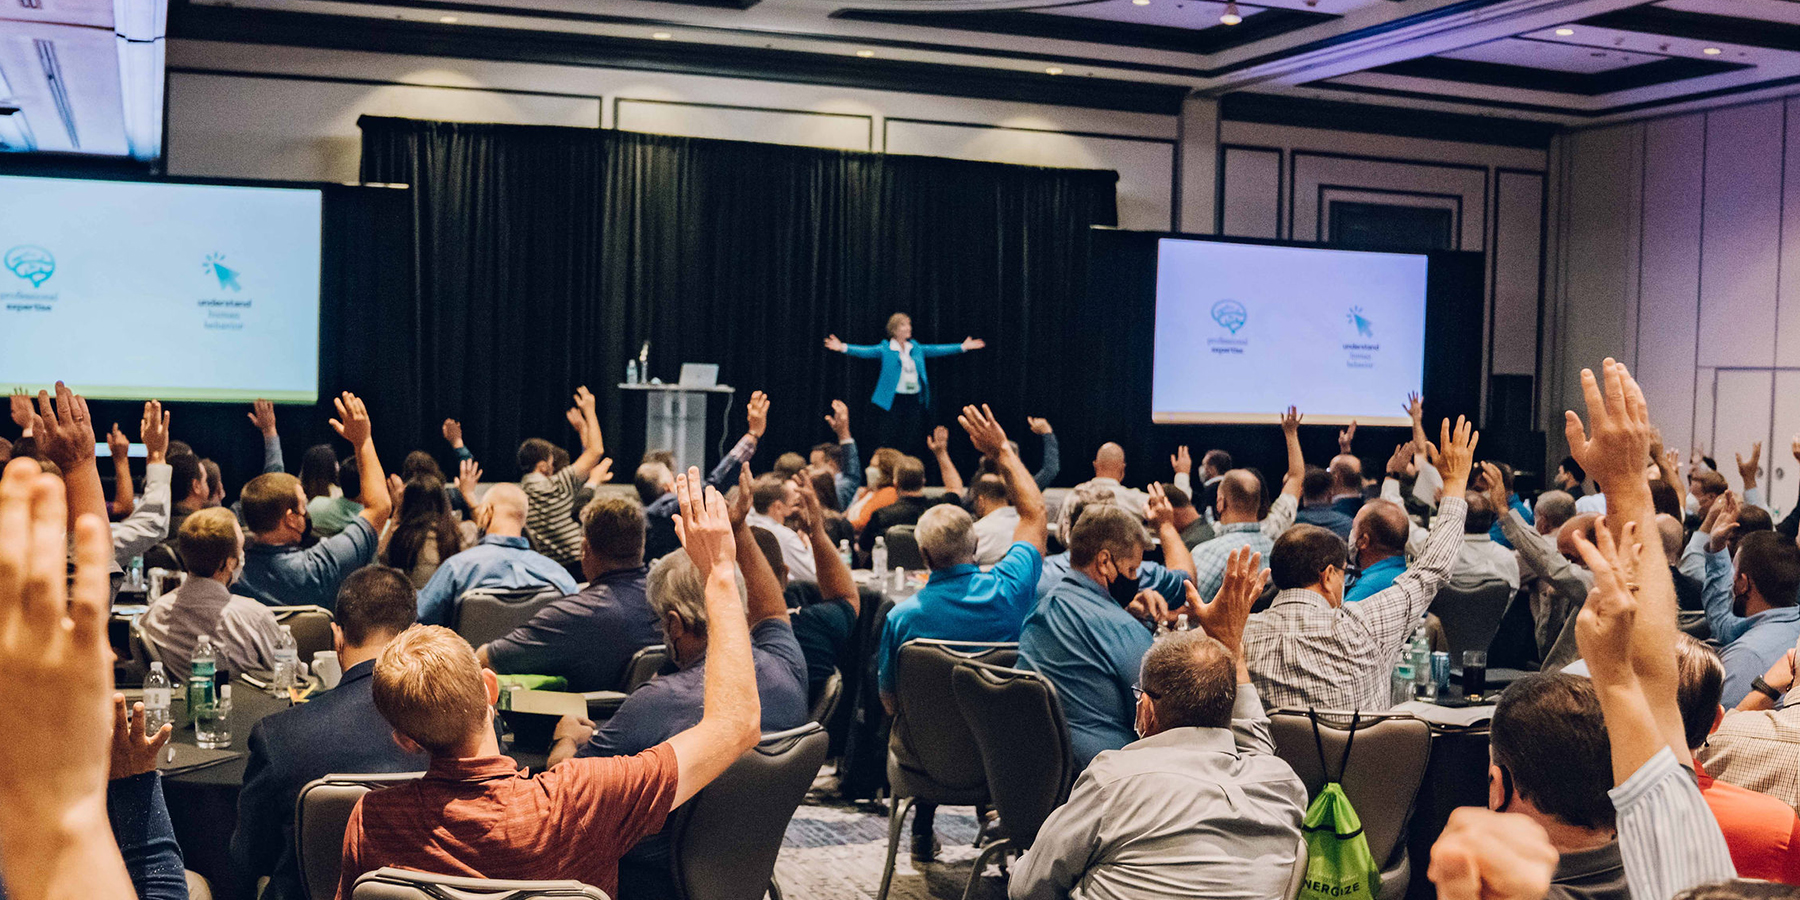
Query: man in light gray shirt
{"points": [[243, 631], [1199, 807]]}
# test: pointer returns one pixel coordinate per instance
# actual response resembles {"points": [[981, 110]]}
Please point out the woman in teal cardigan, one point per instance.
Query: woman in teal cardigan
{"points": [[903, 391]]}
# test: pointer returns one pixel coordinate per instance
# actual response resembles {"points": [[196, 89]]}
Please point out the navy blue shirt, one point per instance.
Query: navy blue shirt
{"points": [[587, 637], [1328, 517], [285, 575]]}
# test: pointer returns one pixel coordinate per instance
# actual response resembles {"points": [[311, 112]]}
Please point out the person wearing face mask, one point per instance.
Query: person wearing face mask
{"points": [[1378, 537], [1311, 649], [243, 631], [277, 570], [1090, 632], [1750, 602]]}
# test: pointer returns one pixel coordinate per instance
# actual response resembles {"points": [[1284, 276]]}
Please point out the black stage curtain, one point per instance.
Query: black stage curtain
{"points": [[545, 256]]}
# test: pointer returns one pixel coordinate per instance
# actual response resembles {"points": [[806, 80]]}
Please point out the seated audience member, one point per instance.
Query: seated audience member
{"points": [[1378, 538], [1241, 522], [1309, 648], [336, 731], [1164, 580], [1549, 759], [279, 573], [318, 472], [960, 602], [424, 534], [331, 515], [501, 559], [909, 503], [1569, 478], [879, 490], [656, 480], [774, 500], [824, 613], [1705, 486], [667, 704], [589, 636], [1688, 591], [243, 631], [216, 481], [1750, 603], [1194, 528], [995, 519], [788, 464], [1762, 832], [475, 814], [551, 490], [191, 492], [1109, 472], [1089, 633], [1482, 560], [1555, 580], [1317, 504], [148, 525], [1513, 502], [1213, 466], [1756, 745], [840, 457], [1200, 806], [1346, 482]]}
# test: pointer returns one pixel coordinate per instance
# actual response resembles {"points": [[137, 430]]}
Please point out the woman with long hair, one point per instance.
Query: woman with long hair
{"points": [[318, 471], [424, 534]]}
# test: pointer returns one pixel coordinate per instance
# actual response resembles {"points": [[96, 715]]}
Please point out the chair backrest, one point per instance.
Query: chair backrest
{"points": [[643, 666], [1386, 766], [405, 884], [485, 614], [829, 695], [1018, 723], [142, 650], [929, 735], [321, 813], [1471, 617], [311, 626], [725, 840], [903, 547]]}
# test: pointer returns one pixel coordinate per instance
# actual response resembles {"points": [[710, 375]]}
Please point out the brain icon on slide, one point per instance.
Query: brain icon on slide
{"points": [[1230, 315], [34, 264]]}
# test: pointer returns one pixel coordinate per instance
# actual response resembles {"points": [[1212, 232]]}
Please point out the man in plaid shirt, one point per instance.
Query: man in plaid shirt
{"points": [[1241, 523], [1311, 650]]}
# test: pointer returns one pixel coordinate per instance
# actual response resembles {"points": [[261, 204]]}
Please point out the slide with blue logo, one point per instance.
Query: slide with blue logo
{"points": [[138, 290], [1244, 331]]}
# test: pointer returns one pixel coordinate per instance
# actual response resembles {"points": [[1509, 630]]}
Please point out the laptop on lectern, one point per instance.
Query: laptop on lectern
{"points": [[699, 375]]}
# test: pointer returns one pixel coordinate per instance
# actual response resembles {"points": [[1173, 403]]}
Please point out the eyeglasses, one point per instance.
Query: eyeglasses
{"points": [[1139, 692]]}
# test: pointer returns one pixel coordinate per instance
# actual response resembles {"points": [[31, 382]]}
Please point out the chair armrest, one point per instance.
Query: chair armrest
{"points": [[602, 704]]}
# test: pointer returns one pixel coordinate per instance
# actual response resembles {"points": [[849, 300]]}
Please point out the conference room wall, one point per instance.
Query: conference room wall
{"points": [[1677, 249]]}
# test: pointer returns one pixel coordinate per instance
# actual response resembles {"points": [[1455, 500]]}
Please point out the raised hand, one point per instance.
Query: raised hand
{"points": [[704, 523], [738, 501], [1290, 421], [573, 416], [352, 423], [64, 432], [1604, 625], [1039, 426], [1401, 460], [452, 431], [1748, 470], [1722, 521], [21, 415], [1345, 436], [584, 400], [1157, 510], [155, 431], [833, 344], [395, 488], [1486, 855], [938, 441], [810, 508], [1613, 446], [970, 343], [839, 420], [262, 415], [117, 443], [467, 478], [984, 430], [602, 472], [1224, 616], [756, 413], [134, 752], [1495, 488], [1181, 462], [1415, 407], [1457, 455]]}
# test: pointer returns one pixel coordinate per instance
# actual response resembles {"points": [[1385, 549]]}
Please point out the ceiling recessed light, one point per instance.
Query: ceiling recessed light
{"points": [[1140, 2], [1053, 70], [1231, 16], [865, 54], [1712, 51], [1564, 32], [447, 20], [661, 36]]}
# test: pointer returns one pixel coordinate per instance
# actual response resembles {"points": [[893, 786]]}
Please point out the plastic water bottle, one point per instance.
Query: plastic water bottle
{"points": [[154, 592], [287, 662], [134, 577], [1420, 662], [158, 696], [878, 559], [1404, 679], [212, 729], [201, 666], [631, 371], [844, 551], [1181, 622]]}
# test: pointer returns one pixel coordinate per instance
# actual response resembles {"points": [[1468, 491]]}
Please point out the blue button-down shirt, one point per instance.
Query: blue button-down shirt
{"points": [[963, 603], [1378, 577], [1151, 577], [1516, 505], [499, 561], [285, 575], [1081, 639], [1751, 643]]}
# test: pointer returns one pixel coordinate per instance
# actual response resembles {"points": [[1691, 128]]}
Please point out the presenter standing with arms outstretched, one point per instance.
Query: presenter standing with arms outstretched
{"points": [[902, 392]]}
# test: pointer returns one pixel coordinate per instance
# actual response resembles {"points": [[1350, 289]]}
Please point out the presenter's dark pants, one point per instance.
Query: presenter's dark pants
{"points": [[903, 427]]}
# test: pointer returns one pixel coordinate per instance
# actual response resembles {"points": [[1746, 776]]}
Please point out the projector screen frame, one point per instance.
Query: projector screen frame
{"points": [[74, 172]]}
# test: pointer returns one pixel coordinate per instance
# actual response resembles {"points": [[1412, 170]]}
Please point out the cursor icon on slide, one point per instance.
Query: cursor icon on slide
{"points": [[228, 278]]}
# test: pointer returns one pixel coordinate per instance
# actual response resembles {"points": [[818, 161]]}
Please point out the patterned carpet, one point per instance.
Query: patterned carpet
{"points": [[835, 850]]}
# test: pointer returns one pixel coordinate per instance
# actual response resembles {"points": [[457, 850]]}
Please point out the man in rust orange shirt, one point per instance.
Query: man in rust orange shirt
{"points": [[474, 814]]}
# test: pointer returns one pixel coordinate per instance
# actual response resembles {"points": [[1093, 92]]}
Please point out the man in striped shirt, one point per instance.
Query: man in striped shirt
{"points": [[550, 522]]}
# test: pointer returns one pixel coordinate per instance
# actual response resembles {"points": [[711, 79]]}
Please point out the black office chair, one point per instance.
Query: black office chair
{"points": [[321, 814], [903, 548], [405, 884], [724, 841], [485, 614], [827, 702], [932, 754], [644, 665], [1471, 617], [1018, 723]]}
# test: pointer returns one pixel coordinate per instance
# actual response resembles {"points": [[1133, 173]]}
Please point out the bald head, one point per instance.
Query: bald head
{"points": [[1670, 529], [1565, 536], [1110, 462], [506, 505], [1552, 510], [1378, 532], [1240, 497], [1346, 474]]}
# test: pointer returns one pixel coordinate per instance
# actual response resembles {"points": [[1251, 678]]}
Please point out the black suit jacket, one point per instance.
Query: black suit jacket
{"points": [[338, 732]]}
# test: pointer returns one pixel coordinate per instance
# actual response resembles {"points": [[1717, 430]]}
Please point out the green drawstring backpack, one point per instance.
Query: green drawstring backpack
{"points": [[1339, 865]]}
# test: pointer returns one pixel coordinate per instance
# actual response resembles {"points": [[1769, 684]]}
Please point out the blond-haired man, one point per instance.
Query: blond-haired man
{"points": [[243, 631]]}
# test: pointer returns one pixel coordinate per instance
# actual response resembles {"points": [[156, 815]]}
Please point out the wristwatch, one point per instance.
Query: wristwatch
{"points": [[1764, 688]]}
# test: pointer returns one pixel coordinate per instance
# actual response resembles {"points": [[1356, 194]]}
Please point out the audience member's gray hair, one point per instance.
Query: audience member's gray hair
{"points": [[1554, 508], [1192, 679], [1109, 527], [676, 585], [946, 536], [1078, 500]]}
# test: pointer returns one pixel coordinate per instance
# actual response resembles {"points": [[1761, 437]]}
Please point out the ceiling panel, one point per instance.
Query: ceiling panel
{"points": [[1560, 57]]}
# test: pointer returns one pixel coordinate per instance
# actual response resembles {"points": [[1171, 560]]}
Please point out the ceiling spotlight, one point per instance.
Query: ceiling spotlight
{"points": [[1140, 2], [865, 54], [1053, 70], [661, 36], [1231, 16], [1564, 32], [447, 20], [1712, 51]]}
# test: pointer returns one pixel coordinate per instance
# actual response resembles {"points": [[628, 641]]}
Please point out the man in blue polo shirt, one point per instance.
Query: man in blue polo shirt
{"points": [[1378, 547], [961, 602], [1165, 578], [504, 559]]}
